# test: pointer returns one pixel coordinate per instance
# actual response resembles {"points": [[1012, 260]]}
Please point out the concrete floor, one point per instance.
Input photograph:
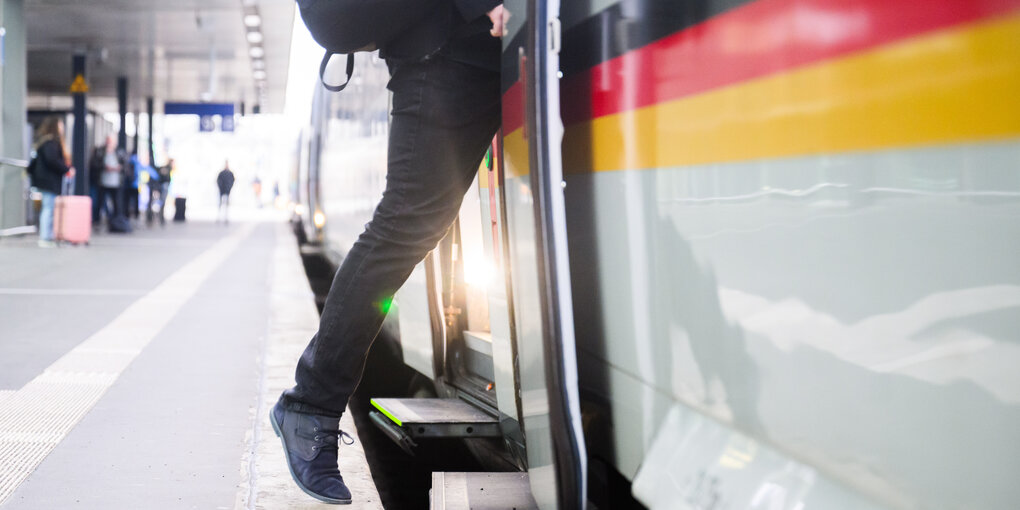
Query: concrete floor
{"points": [[137, 372]]}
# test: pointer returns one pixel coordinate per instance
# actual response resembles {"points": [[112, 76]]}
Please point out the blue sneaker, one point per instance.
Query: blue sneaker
{"points": [[310, 443]]}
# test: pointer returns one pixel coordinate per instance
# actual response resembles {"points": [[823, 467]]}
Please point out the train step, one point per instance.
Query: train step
{"points": [[405, 419], [481, 491]]}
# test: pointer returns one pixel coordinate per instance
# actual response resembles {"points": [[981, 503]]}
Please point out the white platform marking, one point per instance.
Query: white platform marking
{"points": [[34, 419], [70, 292], [266, 482]]}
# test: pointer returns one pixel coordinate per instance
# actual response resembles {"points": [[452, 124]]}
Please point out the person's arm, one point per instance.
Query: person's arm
{"points": [[53, 158]]}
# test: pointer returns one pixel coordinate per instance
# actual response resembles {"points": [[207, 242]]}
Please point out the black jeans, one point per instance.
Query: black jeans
{"points": [[445, 114], [106, 194]]}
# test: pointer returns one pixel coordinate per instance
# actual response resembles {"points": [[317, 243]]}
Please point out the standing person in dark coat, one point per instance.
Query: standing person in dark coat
{"points": [[225, 181], [48, 170], [444, 75]]}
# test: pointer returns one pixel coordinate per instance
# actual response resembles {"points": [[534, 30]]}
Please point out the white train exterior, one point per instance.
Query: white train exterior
{"points": [[793, 230]]}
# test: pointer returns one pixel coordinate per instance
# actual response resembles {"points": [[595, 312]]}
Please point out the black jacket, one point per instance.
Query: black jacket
{"points": [[459, 27], [225, 181], [50, 167]]}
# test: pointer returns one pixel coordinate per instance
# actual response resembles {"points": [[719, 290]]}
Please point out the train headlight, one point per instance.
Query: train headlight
{"points": [[320, 219]]}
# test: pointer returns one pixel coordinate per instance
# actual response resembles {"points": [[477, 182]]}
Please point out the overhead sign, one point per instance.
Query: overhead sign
{"points": [[206, 123], [207, 113], [78, 86], [222, 109]]}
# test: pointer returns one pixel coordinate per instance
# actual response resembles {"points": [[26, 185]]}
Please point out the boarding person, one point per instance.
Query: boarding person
{"points": [[444, 75], [225, 182], [51, 164]]}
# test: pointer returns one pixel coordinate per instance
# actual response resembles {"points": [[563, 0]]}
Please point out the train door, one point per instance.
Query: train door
{"points": [[488, 315], [539, 276]]}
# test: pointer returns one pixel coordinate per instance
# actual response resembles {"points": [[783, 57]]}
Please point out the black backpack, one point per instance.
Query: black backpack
{"points": [[350, 26]]}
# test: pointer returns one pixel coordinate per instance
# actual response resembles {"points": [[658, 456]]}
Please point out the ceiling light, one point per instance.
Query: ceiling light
{"points": [[258, 64], [254, 37], [259, 75], [252, 20], [257, 52]]}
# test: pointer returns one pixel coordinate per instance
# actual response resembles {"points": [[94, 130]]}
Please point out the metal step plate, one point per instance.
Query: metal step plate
{"points": [[437, 417], [481, 491]]}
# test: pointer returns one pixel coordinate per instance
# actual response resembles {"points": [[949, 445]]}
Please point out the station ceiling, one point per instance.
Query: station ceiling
{"points": [[172, 50]]}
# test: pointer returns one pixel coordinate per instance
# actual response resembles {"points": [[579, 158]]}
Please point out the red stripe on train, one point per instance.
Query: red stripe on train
{"points": [[752, 41], [513, 108]]}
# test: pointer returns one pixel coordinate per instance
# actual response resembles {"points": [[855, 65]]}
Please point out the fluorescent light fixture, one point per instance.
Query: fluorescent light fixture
{"points": [[254, 36], [252, 20], [256, 52], [259, 75]]}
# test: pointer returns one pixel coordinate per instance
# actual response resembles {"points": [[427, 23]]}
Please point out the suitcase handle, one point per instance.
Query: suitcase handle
{"points": [[67, 185]]}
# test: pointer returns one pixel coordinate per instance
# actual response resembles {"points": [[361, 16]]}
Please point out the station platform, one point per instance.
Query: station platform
{"points": [[138, 372]]}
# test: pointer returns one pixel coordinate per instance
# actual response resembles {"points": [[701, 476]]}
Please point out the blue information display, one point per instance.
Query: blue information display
{"points": [[200, 109], [207, 113]]}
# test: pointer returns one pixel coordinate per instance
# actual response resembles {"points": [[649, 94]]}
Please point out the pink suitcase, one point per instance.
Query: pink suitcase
{"points": [[72, 219]]}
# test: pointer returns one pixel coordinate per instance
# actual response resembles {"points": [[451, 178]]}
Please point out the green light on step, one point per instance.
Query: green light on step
{"points": [[385, 305], [387, 413]]}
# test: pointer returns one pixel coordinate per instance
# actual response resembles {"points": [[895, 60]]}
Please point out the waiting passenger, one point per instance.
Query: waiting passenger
{"points": [[111, 201], [158, 185], [225, 181], [444, 75], [141, 173], [48, 169]]}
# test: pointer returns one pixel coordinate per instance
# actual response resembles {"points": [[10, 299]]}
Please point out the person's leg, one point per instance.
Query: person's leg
{"points": [[132, 202], [95, 192], [118, 200], [104, 202], [150, 203], [46, 216], [444, 116]]}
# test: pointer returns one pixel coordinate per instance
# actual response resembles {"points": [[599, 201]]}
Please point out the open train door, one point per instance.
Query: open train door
{"points": [[539, 267]]}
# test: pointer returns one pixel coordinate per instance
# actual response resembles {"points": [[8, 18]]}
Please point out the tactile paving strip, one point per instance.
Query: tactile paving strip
{"points": [[34, 419]]}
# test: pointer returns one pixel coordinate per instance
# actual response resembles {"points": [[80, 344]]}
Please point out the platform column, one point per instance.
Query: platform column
{"points": [[148, 110], [122, 85], [78, 157]]}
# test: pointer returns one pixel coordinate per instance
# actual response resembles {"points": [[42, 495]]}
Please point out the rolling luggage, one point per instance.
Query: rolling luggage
{"points": [[72, 219]]}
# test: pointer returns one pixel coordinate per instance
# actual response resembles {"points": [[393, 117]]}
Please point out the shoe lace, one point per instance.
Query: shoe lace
{"points": [[329, 439]]}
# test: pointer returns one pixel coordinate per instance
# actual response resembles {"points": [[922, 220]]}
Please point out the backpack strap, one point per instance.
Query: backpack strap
{"points": [[322, 71]]}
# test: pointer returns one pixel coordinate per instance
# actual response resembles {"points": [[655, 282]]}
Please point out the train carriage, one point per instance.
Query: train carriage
{"points": [[736, 254]]}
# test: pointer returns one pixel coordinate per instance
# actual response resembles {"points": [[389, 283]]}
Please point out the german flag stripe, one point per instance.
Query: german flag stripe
{"points": [[953, 85], [746, 41], [756, 40]]}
